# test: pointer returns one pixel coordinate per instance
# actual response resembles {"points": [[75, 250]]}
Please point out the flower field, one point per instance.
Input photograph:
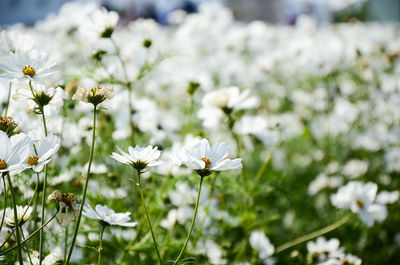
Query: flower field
{"points": [[208, 141]]}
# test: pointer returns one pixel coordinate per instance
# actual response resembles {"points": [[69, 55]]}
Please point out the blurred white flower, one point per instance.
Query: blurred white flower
{"points": [[50, 259], [360, 199], [218, 102], [23, 214], [108, 216], [12, 42], [392, 159], [99, 24], [138, 157], [259, 242], [205, 159], [355, 168]]}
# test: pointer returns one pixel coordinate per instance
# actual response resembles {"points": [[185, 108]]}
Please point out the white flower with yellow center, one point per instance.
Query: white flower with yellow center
{"points": [[360, 199], [14, 152], [138, 157], [43, 148], [23, 214], [205, 159], [27, 67], [108, 216]]}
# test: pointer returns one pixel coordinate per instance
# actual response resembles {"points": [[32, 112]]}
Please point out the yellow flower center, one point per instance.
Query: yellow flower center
{"points": [[3, 164], [33, 160], [360, 203], [207, 162], [29, 70]]}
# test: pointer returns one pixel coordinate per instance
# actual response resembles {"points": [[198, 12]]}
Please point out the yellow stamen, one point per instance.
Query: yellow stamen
{"points": [[207, 162], [33, 160], [29, 70], [3, 164], [360, 203]]}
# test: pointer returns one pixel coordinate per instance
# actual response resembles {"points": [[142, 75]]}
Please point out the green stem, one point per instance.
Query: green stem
{"points": [[85, 188], [8, 99], [35, 214], [15, 220], [66, 243], [314, 234], [30, 236], [148, 219], [26, 250], [192, 225], [264, 166], [5, 202], [101, 244], [41, 236]]}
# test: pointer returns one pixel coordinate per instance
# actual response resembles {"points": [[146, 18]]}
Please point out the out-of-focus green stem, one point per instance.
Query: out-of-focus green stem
{"points": [[315, 234]]}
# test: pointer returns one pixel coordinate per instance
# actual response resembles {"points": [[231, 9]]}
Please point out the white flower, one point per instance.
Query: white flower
{"points": [[387, 197], [359, 198], [14, 152], [49, 97], [138, 157], [324, 247], [23, 214], [218, 102], [11, 42], [205, 159], [108, 216], [27, 67], [262, 245], [100, 24], [42, 149], [392, 159], [50, 259], [355, 168], [95, 95]]}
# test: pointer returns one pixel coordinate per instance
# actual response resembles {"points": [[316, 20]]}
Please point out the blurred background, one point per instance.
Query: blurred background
{"points": [[273, 11]]}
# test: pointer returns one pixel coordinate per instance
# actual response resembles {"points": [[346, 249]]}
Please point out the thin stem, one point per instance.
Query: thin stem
{"points": [[8, 99], [26, 250], [148, 219], [85, 188], [41, 236], [15, 220], [192, 225], [263, 167], [66, 243], [5, 202], [101, 244], [315, 234], [34, 214], [30, 236]]}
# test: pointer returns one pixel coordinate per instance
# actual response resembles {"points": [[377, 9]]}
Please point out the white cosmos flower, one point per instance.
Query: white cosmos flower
{"points": [[12, 41], [23, 214], [218, 102], [262, 245], [138, 157], [50, 259], [100, 24], [42, 149], [27, 67], [51, 98], [14, 152], [360, 199], [108, 216], [324, 247], [205, 159]]}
